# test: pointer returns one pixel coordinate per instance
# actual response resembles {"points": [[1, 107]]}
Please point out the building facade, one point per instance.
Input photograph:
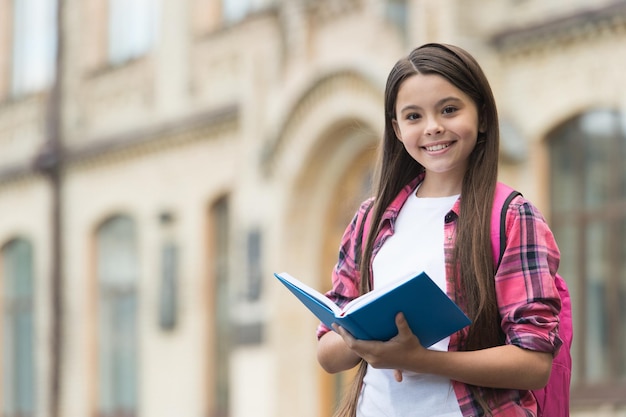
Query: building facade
{"points": [[159, 160]]}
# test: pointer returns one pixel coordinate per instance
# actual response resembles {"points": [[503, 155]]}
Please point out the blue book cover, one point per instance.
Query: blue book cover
{"points": [[430, 313]]}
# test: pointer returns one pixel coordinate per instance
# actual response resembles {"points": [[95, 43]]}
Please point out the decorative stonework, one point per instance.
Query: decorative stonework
{"points": [[22, 128], [117, 96], [348, 81], [325, 11], [563, 30], [215, 72], [138, 143]]}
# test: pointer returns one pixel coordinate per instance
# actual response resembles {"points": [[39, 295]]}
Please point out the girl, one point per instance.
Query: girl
{"points": [[434, 193]]}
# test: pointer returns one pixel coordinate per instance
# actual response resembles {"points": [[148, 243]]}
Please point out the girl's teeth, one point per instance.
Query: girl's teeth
{"points": [[436, 147]]}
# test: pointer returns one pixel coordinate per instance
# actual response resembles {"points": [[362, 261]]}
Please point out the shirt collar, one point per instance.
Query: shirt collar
{"points": [[394, 208]]}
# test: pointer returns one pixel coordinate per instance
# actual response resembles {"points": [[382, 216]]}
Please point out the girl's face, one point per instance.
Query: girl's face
{"points": [[437, 123]]}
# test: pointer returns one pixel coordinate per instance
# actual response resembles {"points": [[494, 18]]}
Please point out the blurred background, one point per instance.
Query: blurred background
{"points": [[160, 159]]}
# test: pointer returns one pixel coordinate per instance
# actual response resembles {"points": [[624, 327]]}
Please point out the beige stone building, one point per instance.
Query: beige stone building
{"points": [[179, 152]]}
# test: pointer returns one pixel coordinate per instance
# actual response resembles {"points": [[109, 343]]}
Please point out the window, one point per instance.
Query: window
{"points": [[219, 218], [398, 14], [252, 286], [235, 10], [34, 45], [168, 288], [132, 28], [209, 15], [589, 222], [18, 371], [118, 271]]}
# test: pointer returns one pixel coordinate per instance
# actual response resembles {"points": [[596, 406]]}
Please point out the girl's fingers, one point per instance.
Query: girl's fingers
{"points": [[397, 374]]}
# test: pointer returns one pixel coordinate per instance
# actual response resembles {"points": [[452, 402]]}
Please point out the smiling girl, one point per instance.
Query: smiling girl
{"points": [[434, 193]]}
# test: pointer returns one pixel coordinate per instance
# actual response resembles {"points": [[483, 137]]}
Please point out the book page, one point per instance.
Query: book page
{"points": [[374, 294], [308, 292]]}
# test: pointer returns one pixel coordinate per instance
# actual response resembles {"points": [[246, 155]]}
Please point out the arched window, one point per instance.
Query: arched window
{"points": [[588, 196], [18, 370], [118, 273]]}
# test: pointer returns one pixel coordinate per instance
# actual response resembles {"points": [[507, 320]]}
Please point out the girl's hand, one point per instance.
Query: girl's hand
{"points": [[506, 366], [396, 353], [397, 374]]}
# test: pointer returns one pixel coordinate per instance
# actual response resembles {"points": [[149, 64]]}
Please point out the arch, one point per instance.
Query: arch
{"points": [[321, 158], [341, 95], [337, 121]]}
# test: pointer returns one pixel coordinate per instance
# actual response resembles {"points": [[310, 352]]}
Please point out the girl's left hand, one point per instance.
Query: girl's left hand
{"points": [[396, 353]]}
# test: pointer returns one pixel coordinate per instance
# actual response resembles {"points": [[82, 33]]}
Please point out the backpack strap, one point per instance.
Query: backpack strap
{"points": [[358, 250], [501, 201]]}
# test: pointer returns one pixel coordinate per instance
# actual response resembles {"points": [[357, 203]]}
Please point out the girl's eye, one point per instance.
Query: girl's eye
{"points": [[449, 110], [412, 116]]}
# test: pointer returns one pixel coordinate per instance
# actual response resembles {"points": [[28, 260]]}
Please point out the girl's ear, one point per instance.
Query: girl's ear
{"points": [[482, 125], [396, 129]]}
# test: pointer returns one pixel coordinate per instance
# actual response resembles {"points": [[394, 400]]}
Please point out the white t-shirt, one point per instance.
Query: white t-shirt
{"points": [[415, 246]]}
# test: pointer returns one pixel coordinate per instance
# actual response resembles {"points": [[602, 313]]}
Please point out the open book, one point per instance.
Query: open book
{"points": [[430, 313]]}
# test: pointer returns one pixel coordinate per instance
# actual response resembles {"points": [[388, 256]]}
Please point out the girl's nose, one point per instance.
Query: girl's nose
{"points": [[433, 128]]}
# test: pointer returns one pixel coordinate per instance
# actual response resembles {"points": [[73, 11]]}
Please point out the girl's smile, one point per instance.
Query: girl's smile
{"points": [[437, 147]]}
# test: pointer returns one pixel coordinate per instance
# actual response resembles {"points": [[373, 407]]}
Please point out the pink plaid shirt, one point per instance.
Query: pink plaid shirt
{"points": [[528, 300]]}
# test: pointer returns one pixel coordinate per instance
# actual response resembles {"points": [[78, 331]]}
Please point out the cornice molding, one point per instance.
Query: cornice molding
{"points": [[16, 172], [133, 142], [149, 136], [610, 18], [324, 11]]}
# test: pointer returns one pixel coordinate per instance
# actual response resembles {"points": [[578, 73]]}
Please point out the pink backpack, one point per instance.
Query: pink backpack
{"points": [[553, 399]]}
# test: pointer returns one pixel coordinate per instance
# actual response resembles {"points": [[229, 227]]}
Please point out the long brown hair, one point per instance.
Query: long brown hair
{"points": [[396, 168]]}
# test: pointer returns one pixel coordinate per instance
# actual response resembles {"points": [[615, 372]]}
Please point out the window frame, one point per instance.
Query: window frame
{"points": [[18, 310], [574, 142], [117, 290]]}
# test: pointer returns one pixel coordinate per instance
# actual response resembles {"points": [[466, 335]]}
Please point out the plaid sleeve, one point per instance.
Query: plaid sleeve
{"points": [[346, 275], [528, 299]]}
